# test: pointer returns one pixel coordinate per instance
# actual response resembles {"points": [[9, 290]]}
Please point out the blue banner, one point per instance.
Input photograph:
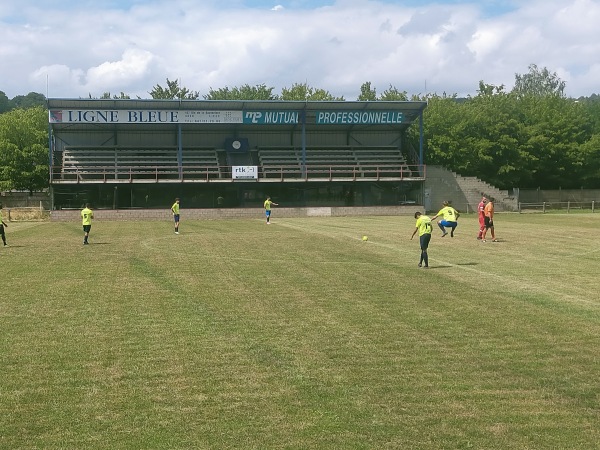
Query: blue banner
{"points": [[271, 117]]}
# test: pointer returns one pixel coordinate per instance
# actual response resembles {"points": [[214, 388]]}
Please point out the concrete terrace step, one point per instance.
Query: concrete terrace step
{"points": [[464, 192]]}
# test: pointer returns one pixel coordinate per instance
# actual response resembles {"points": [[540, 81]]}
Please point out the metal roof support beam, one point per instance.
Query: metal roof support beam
{"points": [[303, 136], [179, 152], [50, 149]]}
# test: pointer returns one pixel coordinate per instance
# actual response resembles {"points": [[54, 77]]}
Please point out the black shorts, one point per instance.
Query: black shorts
{"points": [[87, 228], [489, 223], [424, 241], [1, 230]]}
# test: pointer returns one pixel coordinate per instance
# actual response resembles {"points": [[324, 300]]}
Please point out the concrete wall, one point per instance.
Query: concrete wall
{"points": [[23, 199], [464, 192], [235, 213]]}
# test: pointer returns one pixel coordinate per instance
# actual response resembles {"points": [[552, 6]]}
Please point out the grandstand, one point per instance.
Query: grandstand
{"points": [[141, 153]]}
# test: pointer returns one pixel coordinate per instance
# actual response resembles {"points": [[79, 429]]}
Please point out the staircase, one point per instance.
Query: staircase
{"points": [[463, 192]]}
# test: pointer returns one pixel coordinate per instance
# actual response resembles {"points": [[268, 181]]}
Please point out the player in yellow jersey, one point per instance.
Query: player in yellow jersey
{"points": [[86, 219], [175, 211], [423, 226], [2, 225], [267, 205], [449, 219]]}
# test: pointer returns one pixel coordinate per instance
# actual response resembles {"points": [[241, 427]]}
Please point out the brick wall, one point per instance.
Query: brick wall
{"points": [[234, 213]]}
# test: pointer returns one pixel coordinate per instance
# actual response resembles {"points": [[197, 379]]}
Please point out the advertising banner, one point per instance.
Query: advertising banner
{"points": [[225, 117], [244, 172]]}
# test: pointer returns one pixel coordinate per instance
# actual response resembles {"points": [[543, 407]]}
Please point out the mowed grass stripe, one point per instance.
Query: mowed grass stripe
{"points": [[238, 335]]}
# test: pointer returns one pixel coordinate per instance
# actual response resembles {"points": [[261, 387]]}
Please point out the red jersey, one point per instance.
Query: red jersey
{"points": [[481, 209]]}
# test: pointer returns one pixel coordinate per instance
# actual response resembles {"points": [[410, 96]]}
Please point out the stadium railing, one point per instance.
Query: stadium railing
{"points": [[282, 172]]}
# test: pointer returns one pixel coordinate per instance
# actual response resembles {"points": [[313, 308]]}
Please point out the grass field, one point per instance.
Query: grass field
{"points": [[299, 335]]}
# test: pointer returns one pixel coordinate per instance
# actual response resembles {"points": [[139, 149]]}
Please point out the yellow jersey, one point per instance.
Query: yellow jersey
{"points": [[86, 216], [424, 225], [449, 213]]}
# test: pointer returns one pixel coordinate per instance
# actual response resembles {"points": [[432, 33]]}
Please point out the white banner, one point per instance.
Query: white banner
{"points": [[244, 172], [143, 116]]}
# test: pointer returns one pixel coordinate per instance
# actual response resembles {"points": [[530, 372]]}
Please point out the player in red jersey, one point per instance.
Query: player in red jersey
{"points": [[481, 212]]}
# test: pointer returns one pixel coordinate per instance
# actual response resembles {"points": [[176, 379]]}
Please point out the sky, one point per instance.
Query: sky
{"points": [[74, 49]]}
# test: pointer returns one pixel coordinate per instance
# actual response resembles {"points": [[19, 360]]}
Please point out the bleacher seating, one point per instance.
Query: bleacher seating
{"points": [[110, 162], [87, 163], [277, 161], [387, 161], [330, 161], [200, 162], [279, 155], [334, 161]]}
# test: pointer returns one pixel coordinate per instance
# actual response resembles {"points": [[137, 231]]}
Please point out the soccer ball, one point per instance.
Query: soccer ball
{"points": [[365, 238]]}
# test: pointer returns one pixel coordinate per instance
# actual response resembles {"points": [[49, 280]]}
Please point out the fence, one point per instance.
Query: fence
{"points": [[558, 195], [568, 206], [25, 213]]}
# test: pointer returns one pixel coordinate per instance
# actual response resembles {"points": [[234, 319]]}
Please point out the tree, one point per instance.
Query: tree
{"points": [[539, 83], [24, 149], [590, 156], [513, 140], [173, 91], [28, 101], [245, 92], [303, 92], [366, 93], [487, 90], [108, 96], [21, 101], [393, 94], [554, 134], [443, 122], [4, 103]]}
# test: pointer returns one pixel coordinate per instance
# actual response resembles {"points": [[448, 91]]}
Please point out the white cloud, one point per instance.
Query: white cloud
{"points": [[114, 75], [84, 49]]}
